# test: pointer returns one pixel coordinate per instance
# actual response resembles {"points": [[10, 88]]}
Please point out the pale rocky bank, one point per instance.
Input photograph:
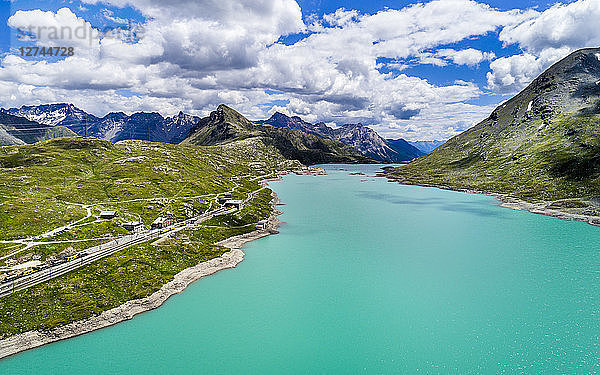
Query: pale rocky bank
{"points": [[510, 202], [34, 339]]}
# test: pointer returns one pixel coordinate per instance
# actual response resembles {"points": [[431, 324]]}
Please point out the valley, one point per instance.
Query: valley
{"points": [[299, 187]]}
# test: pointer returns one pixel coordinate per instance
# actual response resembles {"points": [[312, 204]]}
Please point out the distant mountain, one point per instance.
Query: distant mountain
{"points": [[16, 130], [141, 125], [279, 120], [543, 144], [373, 145], [225, 125], [61, 114], [405, 149], [177, 128], [361, 137], [427, 146], [113, 127]]}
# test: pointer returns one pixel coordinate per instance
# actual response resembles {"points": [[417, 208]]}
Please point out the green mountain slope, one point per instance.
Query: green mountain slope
{"points": [[43, 186], [15, 130], [39, 178], [543, 144], [225, 125]]}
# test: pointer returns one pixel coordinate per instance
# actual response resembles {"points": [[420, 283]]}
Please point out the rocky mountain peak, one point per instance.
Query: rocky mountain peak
{"points": [[147, 116], [224, 109], [116, 115], [279, 119], [225, 125], [182, 118], [352, 126], [115, 126], [230, 116], [279, 116], [359, 136]]}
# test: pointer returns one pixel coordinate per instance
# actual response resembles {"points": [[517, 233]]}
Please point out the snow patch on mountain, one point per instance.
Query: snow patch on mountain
{"points": [[113, 127]]}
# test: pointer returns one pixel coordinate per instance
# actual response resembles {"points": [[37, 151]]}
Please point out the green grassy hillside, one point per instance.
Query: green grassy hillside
{"points": [[542, 145], [44, 185], [51, 184]]}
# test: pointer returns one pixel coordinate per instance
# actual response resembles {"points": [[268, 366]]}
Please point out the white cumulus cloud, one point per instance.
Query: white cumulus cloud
{"points": [[62, 28], [195, 55], [545, 38], [469, 56]]}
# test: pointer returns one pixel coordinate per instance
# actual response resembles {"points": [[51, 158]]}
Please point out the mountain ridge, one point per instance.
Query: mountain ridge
{"points": [[226, 125], [114, 126], [359, 136], [541, 145], [427, 146]]}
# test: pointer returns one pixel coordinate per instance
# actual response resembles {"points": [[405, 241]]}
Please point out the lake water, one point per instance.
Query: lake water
{"points": [[370, 277]]}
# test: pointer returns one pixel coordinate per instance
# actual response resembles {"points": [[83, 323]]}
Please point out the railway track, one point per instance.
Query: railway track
{"points": [[97, 253]]}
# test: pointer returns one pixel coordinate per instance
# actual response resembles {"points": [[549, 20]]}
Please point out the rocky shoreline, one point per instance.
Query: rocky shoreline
{"points": [[511, 202], [34, 339]]}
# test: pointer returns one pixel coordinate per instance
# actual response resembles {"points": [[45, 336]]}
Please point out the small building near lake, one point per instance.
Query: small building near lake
{"points": [[261, 225], [134, 226], [233, 203], [224, 197], [107, 215]]}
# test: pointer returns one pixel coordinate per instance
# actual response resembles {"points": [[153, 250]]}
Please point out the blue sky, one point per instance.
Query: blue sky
{"points": [[4, 29], [419, 70], [436, 74], [372, 6]]}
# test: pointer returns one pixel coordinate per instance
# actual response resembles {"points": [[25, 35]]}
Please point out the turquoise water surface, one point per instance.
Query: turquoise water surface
{"points": [[370, 277]]}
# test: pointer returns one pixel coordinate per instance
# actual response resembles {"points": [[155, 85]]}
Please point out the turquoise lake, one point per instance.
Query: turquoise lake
{"points": [[370, 277]]}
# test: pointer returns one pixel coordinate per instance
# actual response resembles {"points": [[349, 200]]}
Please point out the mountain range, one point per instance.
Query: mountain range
{"points": [[225, 125], [361, 137], [541, 145], [118, 126], [114, 127]]}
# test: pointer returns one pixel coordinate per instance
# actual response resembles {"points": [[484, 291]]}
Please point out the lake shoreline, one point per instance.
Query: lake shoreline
{"points": [[509, 202], [34, 339]]}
